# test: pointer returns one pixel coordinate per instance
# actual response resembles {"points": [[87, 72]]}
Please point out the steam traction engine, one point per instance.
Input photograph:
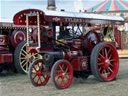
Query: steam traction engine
{"points": [[10, 36], [13, 52], [73, 52]]}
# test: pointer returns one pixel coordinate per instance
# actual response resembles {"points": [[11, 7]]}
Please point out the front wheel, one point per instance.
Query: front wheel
{"points": [[61, 74], [104, 62], [37, 74]]}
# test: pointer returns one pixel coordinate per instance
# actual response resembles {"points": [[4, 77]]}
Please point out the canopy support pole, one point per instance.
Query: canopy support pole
{"points": [[27, 24], [38, 25]]}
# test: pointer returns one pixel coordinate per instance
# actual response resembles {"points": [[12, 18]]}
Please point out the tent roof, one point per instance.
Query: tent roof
{"points": [[110, 5]]}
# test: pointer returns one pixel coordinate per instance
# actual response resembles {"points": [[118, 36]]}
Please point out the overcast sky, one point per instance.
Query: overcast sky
{"points": [[8, 8]]}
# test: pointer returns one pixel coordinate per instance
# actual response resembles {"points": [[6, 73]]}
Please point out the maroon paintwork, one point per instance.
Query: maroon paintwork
{"points": [[20, 17], [91, 39], [4, 40], [78, 64], [17, 37], [6, 58]]}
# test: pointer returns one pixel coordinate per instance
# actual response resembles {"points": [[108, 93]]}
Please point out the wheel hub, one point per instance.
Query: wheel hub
{"points": [[63, 74], [20, 38], [106, 63], [27, 57], [39, 73], [32, 58]]}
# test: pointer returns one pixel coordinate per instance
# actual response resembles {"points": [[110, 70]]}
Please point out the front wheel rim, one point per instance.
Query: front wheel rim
{"points": [[107, 62], [38, 76], [63, 75]]}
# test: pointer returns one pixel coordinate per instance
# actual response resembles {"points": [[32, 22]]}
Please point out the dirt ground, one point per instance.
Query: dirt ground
{"points": [[12, 84]]}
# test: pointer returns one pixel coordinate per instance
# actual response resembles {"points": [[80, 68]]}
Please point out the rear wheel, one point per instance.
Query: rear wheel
{"points": [[61, 74], [104, 62], [22, 58], [38, 75]]}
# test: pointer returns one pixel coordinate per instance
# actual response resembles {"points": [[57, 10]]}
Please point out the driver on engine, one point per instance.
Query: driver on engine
{"points": [[63, 35]]}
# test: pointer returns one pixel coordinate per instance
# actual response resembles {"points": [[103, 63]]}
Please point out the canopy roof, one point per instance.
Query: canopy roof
{"points": [[6, 20], [65, 17], [110, 5]]}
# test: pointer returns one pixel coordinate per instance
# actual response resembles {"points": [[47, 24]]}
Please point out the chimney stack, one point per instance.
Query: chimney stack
{"points": [[51, 5]]}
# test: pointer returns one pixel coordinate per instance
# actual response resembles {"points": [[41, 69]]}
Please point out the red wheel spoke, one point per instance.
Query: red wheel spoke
{"points": [[100, 69], [106, 54], [109, 50], [57, 78], [101, 55], [66, 70], [100, 64], [68, 73], [111, 64], [62, 82], [112, 60], [38, 65], [110, 69], [110, 56], [58, 75], [103, 52], [38, 79], [61, 68], [34, 68], [43, 76], [34, 77], [99, 59], [56, 71]]}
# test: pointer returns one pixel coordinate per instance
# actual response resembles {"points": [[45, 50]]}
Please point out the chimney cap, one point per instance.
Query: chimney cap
{"points": [[62, 10], [51, 5]]}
